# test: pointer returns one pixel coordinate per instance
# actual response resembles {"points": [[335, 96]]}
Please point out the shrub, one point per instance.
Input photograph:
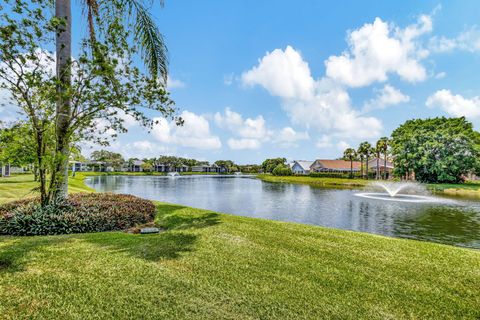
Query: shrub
{"points": [[82, 212], [282, 170], [341, 175]]}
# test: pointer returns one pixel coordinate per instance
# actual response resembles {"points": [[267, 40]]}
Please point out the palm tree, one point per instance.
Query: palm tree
{"points": [[350, 154], [382, 147], [154, 54], [364, 150], [378, 150]]}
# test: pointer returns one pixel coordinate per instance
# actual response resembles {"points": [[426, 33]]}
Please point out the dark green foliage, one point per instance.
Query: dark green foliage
{"points": [[282, 170], [82, 212], [269, 164], [436, 150]]}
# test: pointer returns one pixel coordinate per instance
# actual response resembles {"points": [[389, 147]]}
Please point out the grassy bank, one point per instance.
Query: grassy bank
{"points": [[469, 188], [209, 265], [315, 181]]}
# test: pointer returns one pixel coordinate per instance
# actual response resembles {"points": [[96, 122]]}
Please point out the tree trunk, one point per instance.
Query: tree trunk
{"points": [[59, 179], [351, 168], [378, 167], [366, 167], [385, 166], [361, 166]]}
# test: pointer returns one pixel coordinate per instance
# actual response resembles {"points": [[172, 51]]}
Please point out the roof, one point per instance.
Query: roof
{"points": [[337, 164], [373, 163], [137, 162], [304, 164]]}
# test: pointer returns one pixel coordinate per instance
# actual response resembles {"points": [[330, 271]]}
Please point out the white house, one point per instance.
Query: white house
{"points": [[301, 166]]}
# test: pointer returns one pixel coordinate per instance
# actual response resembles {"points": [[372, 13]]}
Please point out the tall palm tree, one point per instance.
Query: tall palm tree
{"points": [[350, 154], [154, 54], [378, 150], [382, 147], [364, 150]]}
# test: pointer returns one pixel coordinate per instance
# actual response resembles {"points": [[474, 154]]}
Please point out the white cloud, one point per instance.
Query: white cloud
{"points": [[321, 104], [175, 83], [288, 137], [387, 96], [342, 145], [455, 105], [241, 144], [195, 132], [468, 40], [324, 141], [377, 49], [283, 73], [440, 75], [250, 132]]}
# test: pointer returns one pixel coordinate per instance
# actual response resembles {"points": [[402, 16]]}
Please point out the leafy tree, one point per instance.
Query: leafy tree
{"points": [[102, 16], [269, 164], [115, 159], [229, 165], [382, 148], [364, 151], [147, 166], [350, 154], [17, 146], [282, 170], [436, 149], [104, 86]]}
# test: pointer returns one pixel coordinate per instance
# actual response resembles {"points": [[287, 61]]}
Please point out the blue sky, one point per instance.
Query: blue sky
{"points": [[305, 79]]}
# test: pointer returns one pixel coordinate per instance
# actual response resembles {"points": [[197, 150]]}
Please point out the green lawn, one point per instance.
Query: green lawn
{"points": [[315, 181], [207, 265]]}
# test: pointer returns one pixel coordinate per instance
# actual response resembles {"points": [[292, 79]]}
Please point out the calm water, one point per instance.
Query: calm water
{"points": [[457, 223]]}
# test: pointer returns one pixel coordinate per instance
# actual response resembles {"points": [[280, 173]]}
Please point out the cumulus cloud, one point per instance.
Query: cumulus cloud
{"points": [[342, 145], [377, 49], [455, 104], [322, 104], [468, 40], [175, 83], [283, 73], [241, 144], [324, 141], [249, 132], [387, 96], [195, 133], [288, 137]]}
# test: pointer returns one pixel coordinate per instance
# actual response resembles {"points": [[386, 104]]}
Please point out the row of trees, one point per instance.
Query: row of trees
{"points": [[364, 152], [64, 98]]}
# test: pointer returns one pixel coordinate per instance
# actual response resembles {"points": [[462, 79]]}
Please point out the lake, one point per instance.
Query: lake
{"points": [[456, 223]]}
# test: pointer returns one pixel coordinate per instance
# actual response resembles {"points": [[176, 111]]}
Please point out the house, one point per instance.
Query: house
{"points": [[4, 170], [97, 166], [208, 168], [301, 166], [341, 166], [78, 166], [388, 168], [161, 167], [136, 166]]}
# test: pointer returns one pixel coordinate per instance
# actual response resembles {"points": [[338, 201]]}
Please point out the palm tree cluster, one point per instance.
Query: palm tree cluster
{"points": [[364, 153]]}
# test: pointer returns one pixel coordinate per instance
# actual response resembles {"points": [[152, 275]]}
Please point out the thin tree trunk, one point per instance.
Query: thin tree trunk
{"points": [[378, 167], [385, 166], [59, 179], [361, 166], [351, 168], [366, 167]]}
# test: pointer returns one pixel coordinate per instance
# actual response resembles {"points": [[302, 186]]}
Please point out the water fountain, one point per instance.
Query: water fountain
{"points": [[238, 173], [173, 174], [398, 191]]}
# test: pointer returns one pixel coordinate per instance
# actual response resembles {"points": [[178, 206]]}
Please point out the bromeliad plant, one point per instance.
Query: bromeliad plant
{"points": [[81, 212]]}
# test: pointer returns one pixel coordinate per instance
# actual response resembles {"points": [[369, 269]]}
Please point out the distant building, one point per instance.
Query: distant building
{"points": [[78, 166], [136, 166], [208, 168], [343, 166], [4, 170], [372, 166], [301, 166], [161, 167]]}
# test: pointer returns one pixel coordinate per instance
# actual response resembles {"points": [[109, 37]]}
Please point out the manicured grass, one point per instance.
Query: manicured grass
{"points": [[206, 265], [315, 181]]}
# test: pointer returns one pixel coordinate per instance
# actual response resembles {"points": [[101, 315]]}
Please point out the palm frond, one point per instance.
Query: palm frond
{"points": [[153, 48]]}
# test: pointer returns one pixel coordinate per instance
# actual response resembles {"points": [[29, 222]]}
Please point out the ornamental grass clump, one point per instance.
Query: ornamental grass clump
{"points": [[82, 212]]}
